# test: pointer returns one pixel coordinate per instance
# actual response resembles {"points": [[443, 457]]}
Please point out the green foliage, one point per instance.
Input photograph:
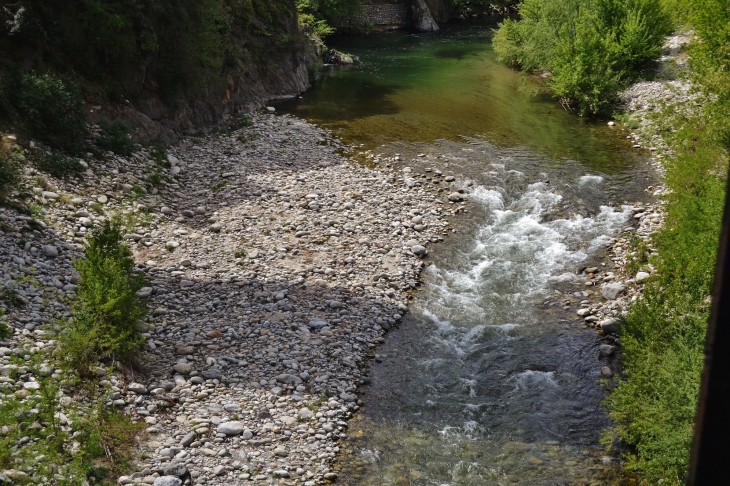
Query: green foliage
{"points": [[59, 164], [475, 8], [95, 445], [11, 160], [183, 47], [664, 337], [591, 48], [9, 294], [319, 27], [48, 108], [5, 330], [325, 17], [115, 136], [107, 308]]}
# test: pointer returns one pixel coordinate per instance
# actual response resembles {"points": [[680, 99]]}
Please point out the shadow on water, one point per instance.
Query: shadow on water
{"points": [[458, 53], [340, 97]]}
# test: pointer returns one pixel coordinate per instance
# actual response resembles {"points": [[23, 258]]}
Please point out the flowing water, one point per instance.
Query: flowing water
{"points": [[491, 378]]}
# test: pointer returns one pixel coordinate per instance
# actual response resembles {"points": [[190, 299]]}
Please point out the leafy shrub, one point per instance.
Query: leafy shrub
{"points": [[654, 409], [5, 330], [60, 165], [115, 136], [107, 308], [325, 16], [9, 173], [319, 27], [48, 108], [591, 48], [96, 446]]}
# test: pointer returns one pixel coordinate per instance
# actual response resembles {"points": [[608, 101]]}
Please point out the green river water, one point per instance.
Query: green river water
{"points": [[489, 380]]}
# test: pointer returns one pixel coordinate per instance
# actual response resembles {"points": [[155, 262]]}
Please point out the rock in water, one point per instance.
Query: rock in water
{"points": [[611, 326], [422, 19]]}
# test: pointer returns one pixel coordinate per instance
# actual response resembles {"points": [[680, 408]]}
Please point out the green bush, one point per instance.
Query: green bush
{"points": [[48, 108], [326, 16], [115, 136], [96, 447], [664, 338], [591, 48], [11, 160], [107, 309]]}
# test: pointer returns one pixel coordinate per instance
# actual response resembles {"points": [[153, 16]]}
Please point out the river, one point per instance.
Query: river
{"points": [[492, 378]]}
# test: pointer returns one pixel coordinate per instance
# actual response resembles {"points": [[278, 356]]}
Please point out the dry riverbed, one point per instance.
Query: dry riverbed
{"points": [[275, 267]]}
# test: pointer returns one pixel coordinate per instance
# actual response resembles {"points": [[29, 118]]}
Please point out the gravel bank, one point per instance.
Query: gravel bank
{"points": [[275, 267], [643, 102]]}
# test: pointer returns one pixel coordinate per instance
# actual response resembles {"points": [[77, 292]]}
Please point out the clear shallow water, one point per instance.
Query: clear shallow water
{"points": [[424, 87], [489, 381]]}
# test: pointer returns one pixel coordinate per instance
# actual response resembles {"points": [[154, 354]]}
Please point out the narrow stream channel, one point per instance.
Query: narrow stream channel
{"points": [[491, 379]]}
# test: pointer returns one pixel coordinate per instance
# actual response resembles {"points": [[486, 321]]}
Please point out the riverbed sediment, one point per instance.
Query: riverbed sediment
{"points": [[275, 267]]}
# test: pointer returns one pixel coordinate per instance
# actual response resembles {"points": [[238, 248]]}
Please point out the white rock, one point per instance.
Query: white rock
{"points": [[167, 481], [230, 428]]}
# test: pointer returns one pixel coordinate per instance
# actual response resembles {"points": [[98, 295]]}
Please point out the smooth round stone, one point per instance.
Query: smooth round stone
{"points": [[230, 428]]}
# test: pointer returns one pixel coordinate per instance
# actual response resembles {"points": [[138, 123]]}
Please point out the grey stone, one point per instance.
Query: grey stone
{"points": [[167, 481], [288, 379], [305, 413], [419, 250], [281, 452], [178, 470], [641, 276], [219, 470], [455, 197], [611, 326], [188, 439], [144, 292], [606, 350], [612, 291], [183, 368], [212, 374], [50, 195], [137, 388], [317, 324], [50, 251], [606, 372], [230, 428]]}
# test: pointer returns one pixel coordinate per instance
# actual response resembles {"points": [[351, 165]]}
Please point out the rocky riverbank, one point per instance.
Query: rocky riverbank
{"points": [[642, 103], [275, 267]]}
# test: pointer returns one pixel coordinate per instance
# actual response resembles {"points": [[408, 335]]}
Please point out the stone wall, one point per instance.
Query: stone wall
{"points": [[388, 14]]}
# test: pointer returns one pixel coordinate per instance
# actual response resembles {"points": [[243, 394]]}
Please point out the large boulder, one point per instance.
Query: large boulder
{"points": [[422, 19]]}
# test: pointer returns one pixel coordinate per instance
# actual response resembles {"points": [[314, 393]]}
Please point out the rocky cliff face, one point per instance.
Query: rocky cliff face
{"points": [[166, 67], [156, 122]]}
